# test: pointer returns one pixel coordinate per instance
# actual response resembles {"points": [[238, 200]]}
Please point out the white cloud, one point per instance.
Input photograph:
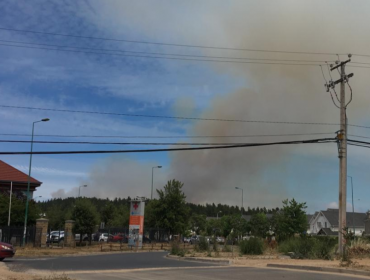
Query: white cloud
{"points": [[51, 171]]}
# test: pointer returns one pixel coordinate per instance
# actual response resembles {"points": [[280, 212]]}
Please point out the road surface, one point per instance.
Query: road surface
{"points": [[155, 266]]}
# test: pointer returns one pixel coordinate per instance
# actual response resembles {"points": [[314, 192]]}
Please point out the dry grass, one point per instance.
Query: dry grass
{"points": [[50, 277]]}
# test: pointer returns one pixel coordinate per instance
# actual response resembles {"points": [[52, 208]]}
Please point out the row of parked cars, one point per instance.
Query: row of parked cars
{"points": [[58, 236], [196, 238]]}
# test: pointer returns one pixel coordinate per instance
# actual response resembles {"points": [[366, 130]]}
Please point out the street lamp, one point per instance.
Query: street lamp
{"points": [[79, 189], [242, 198], [218, 213], [29, 181], [159, 166], [353, 206]]}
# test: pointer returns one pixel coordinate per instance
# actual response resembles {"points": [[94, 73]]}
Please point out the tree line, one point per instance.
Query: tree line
{"points": [[170, 212]]}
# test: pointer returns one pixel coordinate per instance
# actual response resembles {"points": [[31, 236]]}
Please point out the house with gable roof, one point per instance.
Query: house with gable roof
{"points": [[12, 177], [325, 222]]}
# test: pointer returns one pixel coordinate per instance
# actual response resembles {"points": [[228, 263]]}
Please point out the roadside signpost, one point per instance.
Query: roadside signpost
{"points": [[136, 225]]}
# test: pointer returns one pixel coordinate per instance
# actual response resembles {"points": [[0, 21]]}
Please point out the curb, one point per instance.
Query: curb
{"points": [[321, 269], [194, 259]]}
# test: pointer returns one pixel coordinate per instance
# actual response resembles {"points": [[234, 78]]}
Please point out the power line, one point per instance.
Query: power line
{"points": [[359, 142], [160, 57], [164, 54], [165, 137], [164, 44], [165, 117], [313, 141], [359, 136], [121, 143]]}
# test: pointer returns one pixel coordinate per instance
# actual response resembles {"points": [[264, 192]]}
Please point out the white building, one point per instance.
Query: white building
{"points": [[329, 219]]}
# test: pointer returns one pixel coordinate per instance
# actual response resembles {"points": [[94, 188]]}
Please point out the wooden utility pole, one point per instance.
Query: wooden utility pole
{"points": [[342, 152]]}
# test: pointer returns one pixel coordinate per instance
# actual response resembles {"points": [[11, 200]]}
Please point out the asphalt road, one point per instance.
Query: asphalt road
{"points": [[154, 266], [99, 262], [214, 273]]}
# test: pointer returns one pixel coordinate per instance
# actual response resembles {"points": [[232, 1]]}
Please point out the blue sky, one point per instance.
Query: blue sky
{"points": [[106, 83]]}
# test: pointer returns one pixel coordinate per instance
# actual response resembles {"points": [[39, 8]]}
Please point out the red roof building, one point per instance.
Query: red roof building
{"points": [[10, 175]]}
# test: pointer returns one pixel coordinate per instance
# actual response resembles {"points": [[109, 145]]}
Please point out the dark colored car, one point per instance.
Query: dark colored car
{"points": [[6, 251]]}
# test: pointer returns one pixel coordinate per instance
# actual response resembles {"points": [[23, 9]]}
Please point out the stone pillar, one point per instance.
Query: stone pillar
{"points": [[41, 232], [69, 237]]}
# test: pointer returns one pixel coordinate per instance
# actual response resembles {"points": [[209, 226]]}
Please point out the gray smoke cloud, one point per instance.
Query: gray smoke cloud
{"points": [[271, 93]]}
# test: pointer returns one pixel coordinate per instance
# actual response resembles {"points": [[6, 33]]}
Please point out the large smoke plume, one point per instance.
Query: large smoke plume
{"points": [[271, 93]]}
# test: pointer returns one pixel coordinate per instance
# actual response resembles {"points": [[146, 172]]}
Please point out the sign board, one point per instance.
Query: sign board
{"points": [[136, 225]]}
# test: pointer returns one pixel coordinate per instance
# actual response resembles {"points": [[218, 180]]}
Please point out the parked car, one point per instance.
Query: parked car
{"points": [[56, 236], [220, 239], [104, 237], [186, 240], [85, 237], [6, 251], [194, 239], [119, 238]]}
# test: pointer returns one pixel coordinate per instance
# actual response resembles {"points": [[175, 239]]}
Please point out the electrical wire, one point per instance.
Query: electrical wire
{"points": [[165, 137], [312, 141], [350, 100], [328, 87], [162, 54], [358, 136], [160, 57], [118, 143], [162, 44], [162, 117]]}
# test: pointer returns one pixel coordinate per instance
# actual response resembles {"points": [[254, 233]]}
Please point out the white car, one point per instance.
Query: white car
{"points": [[104, 237]]}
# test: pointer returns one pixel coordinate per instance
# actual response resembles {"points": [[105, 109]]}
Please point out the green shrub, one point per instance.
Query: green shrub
{"points": [[176, 250], [253, 246], [203, 244], [214, 244], [308, 247], [226, 248]]}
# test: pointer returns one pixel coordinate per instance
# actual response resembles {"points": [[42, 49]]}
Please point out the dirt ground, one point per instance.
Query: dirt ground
{"points": [[5, 274], [274, 258]]}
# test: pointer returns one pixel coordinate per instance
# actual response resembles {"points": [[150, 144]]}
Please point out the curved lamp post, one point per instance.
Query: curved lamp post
{"points": [[29, 182]]}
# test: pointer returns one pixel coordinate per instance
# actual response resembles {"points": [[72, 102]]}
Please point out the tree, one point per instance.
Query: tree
{"points": [[259, 225], [290, 220], [171, 211], [57, 216], [120, 217], [234, 223], [17, 210], [198, 223], [85, 216]]}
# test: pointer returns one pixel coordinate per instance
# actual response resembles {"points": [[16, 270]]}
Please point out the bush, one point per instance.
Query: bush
{"points": [[253, 246], [226, 248], [308, 247], [175, 249], [214, 244], [203, 244]]}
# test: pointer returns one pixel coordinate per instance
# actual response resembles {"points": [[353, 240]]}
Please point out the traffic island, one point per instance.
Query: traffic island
{"points": [[321, 269]]}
